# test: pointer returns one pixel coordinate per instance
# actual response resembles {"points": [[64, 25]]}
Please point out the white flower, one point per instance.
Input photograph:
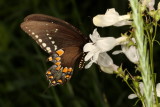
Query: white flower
{"points": [[111, 18], [141, 86], [106, 63], [158, 7], [149, 4], [98, 48], [110, 69], [158, 89], [131, 52]]}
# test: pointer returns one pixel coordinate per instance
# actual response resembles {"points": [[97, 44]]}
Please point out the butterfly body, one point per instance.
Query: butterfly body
{"points": [[61, 40]]}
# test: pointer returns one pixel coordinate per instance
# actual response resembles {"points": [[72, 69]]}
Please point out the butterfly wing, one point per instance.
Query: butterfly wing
{"points": [[61, 40], [45, 29]]}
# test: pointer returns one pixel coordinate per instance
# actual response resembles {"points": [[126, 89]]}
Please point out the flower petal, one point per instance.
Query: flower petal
{"points": [[106, 44], [104, 60], [95, 35], [89, 47], [151, 5], [122, 23], [89, 64], [107, 70], [158, 89], [117, 52], [132, 96], [95, 56], [122, 40], [110, 69], [131, 53], [89, 56], [141, 86], [158, 7]]}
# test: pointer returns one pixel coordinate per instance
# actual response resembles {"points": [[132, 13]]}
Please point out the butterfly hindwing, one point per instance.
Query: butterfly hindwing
{"points": [[60, 39], [62, 70]]}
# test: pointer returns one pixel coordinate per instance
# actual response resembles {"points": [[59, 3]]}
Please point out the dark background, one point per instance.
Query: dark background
{"points": [[23, 62]]}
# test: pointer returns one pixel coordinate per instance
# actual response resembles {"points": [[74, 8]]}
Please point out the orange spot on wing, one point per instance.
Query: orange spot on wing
{"points": [[58, 68], [65, 69], [48, 72], [57, 63], [60, 81], [57, 58], [70, 70], [67, 76], [50, 77], [60, 52]]}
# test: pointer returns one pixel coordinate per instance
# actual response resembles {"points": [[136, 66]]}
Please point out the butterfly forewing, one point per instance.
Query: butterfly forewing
{"points": [[49, 35], [60, 39], [45, 18]]}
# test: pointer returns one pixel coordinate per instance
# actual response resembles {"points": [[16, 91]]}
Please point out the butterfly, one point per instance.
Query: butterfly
{"points": [[62, 41]]}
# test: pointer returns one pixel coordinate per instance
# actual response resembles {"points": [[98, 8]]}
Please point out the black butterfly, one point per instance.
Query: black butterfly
{"points": [[61, 40]]}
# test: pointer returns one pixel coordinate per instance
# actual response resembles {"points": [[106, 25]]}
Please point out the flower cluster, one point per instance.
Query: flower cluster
{"points": [[98, 48]]}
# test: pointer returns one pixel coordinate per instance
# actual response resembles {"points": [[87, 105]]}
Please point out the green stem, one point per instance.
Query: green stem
{"points": [[152, 63], [151, 40], [130, 86], [141, 41], [155, 32]]}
